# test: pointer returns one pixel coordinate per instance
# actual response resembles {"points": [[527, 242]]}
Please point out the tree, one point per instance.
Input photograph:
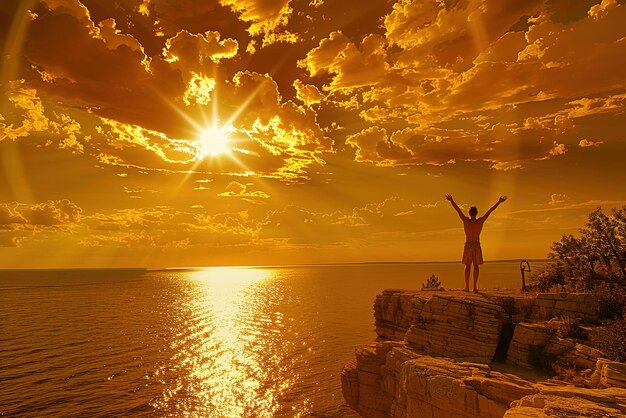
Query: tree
{"points": [[597, 255], [605, 240]]}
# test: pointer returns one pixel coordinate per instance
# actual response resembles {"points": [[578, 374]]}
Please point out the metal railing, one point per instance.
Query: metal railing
{"points": [[524, 266]]}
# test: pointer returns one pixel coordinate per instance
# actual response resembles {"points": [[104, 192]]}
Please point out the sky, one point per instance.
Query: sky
{"points": [[158, 133]]}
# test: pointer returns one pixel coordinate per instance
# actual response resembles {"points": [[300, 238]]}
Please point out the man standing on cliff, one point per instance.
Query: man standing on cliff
{"points": [[472, 253]]}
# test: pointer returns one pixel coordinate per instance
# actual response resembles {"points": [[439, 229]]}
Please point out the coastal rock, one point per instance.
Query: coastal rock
{"points": [[441, 323], [528, 340], [570, 401], [609, 374], [395, 310], [537, 345], [581, 356], [433, 353], [458, 327], [575, 305], [390, 380]]}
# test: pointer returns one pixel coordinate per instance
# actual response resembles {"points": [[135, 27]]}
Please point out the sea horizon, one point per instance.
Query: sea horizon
{"points": [[170, 268]]}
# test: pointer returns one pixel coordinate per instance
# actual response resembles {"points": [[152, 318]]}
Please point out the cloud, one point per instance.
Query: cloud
{"points": [[29, 109], [7, 240], [586, 143], [385, 220], [160, 228], [307, 93], [27, 118], [153, 109], [450, 34], [113, 38], [600, 10], [500, 83], [268, 137], [198, 52], [558, 199], [504, 147], [235, 189], [53, 213], [497, 79], [264, 16], [349, 65], [10, 216], [113, 78], [165, 227], [19, 221]]}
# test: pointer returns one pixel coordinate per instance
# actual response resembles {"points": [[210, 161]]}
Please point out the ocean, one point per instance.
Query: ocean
{"points": [[211, 342]]}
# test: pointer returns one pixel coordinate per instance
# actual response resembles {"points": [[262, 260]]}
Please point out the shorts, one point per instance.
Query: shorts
{"points": [[472, 253]]}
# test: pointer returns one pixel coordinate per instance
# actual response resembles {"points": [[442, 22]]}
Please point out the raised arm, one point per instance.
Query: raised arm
{"points": [[456, 207], [491, 209]]}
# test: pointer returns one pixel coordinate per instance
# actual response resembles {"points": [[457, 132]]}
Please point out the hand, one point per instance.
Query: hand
{"points": [[502, 199], [449, 197]]}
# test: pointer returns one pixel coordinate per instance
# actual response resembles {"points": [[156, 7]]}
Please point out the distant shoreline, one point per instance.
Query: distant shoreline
{"points": [[145, 269], [362, 263]]}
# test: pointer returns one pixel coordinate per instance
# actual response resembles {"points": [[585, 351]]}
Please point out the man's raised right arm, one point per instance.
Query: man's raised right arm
{"points": [[456, 207]]}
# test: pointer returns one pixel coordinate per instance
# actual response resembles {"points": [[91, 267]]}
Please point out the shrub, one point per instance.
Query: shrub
{"points": [[432, 283], [547, 279], [570, 328], [611, 339], [570, 374], [612, 300]]}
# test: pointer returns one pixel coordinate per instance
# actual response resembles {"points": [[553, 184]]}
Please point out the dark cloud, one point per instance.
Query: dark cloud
{"points": [[20, 221]]}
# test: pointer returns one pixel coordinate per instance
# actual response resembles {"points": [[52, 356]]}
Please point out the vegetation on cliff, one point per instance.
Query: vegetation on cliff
{"points": [[595, 261], [597, 255]]}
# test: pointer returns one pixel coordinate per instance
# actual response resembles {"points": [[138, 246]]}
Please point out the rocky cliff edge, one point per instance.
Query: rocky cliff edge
{"points": [[453, 354]]}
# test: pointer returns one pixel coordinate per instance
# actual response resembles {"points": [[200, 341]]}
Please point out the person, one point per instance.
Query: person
{"points": [[472, 253]]}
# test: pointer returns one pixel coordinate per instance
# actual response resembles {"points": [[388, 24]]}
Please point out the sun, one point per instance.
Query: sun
{"points": [[215, 141]]}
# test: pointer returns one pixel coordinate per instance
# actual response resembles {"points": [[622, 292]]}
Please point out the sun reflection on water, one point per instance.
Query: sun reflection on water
{"points": [[231, 349]]}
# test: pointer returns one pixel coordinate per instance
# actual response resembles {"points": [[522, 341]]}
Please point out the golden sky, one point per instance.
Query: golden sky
{"points": [[184, 133]]}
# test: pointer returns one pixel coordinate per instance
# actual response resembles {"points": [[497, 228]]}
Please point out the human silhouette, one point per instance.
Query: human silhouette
{"points": [[472, 253]]}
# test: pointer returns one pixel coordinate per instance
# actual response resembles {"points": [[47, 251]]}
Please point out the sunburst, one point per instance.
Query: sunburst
{"points": [[215, 141]]}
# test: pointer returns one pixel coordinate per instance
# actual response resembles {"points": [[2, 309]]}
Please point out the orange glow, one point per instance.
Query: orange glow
{"points": [[260, 132]]}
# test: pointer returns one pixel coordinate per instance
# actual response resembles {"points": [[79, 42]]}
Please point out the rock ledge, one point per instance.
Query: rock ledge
{"points": [[452, 354]]}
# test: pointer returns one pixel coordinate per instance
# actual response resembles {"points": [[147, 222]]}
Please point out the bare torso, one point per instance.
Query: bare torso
{"points": [[472, 228]]}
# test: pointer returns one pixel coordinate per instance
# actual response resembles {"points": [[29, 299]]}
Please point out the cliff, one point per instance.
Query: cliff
{"points": [[452, 354]]}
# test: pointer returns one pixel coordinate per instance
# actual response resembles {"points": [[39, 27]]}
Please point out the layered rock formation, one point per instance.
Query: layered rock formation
{"points": [[442, 354]]}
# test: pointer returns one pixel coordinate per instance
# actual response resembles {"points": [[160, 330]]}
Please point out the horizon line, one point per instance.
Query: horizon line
{"points": [[168, 268]]}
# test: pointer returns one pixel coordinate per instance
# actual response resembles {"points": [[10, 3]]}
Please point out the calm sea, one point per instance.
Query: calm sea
{"points": [[215, 342]]}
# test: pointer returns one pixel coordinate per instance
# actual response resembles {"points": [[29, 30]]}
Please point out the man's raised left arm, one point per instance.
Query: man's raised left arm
{"points": [[491, 209]]}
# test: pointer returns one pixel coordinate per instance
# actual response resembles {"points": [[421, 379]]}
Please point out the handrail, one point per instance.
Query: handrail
{"points": [[524, 266]]}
